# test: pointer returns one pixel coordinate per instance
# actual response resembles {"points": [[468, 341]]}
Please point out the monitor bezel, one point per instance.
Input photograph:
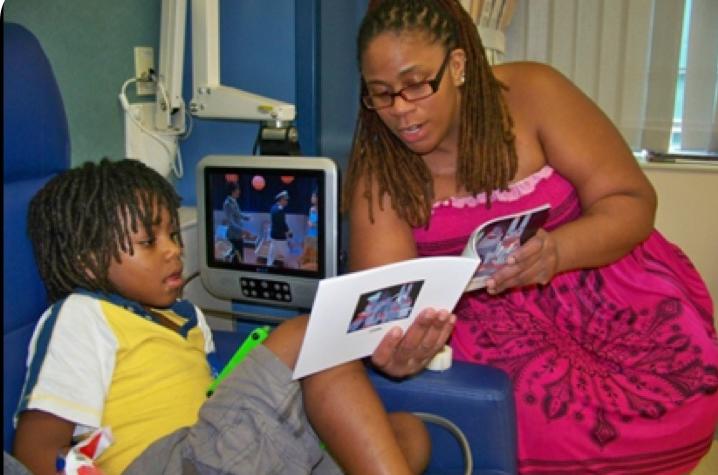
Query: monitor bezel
{"points": [[225, 280]]}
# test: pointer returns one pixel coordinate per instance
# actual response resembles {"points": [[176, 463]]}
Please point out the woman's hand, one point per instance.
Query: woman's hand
{"points": [[535, 262], [404, 355]]}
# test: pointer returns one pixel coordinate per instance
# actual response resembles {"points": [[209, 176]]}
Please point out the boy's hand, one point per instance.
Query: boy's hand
{"points": [[535, 262], [400, 356]]}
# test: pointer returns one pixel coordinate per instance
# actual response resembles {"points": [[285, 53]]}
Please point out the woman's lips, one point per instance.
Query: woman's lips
{"points": [[412, 134]]}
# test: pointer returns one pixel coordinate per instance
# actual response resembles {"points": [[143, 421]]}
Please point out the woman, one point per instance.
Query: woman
{"points": [[605, 328]]}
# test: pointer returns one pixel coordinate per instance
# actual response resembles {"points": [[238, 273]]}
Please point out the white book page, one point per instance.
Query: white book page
{"points": [[352, 313]]}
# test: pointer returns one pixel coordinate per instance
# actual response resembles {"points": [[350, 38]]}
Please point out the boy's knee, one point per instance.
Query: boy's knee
{"points": [[286, 339]]}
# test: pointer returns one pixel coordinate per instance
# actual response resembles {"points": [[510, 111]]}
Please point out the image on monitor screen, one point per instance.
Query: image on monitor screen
{"points": [[269, 226], [261, 219]]}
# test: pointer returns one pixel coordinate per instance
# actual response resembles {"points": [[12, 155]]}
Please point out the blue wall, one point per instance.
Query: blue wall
{"points": [[339, 76]]}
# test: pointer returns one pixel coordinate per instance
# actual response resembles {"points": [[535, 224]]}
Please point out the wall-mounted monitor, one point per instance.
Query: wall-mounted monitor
{"points": [[268, 227]]}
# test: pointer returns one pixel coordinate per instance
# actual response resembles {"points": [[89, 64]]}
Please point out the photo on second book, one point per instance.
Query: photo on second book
{"points": [[494, 241]]}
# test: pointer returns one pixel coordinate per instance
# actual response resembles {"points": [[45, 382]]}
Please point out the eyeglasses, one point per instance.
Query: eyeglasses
{"points": [[411, 93]]}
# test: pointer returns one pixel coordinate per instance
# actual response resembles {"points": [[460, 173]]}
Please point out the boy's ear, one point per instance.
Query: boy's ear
{"points": [[90, 275], [88, 261]]}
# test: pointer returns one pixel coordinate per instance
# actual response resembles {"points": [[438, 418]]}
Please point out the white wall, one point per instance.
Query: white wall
{"points": [[688, 214]]}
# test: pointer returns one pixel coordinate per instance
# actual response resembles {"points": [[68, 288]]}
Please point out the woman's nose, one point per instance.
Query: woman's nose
{"points": [[401, 105]]}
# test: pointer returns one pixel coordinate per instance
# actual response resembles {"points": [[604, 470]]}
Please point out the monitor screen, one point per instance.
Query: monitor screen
{"points": [[267, 227]]}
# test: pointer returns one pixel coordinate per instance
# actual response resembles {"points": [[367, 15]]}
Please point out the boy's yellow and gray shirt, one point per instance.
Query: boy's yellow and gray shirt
{"points": [[99, 360]]}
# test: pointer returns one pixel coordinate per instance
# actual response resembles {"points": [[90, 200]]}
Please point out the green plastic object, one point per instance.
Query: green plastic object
{"points": [[255, 338]]}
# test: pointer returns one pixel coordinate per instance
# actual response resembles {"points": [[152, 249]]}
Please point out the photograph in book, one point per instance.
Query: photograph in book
{"points": [[352, 312], [385, 305], [493, 242]]}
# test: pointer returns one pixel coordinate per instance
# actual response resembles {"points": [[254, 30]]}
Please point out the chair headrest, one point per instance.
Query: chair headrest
{"points": [[36, 139]]}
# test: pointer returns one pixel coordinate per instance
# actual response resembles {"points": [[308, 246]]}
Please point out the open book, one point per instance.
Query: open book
{"points": [[352, 313]]}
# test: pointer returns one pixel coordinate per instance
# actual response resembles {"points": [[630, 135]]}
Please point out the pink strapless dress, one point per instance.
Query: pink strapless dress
{"points": [[615, 369]]}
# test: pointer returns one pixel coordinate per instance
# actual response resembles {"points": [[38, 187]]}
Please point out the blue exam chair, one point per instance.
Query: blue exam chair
{"points": [[477, 399]]}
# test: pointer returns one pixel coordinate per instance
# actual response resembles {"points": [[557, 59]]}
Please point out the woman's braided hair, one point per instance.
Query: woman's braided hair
{"points": [[84, 217], [486, 150]]}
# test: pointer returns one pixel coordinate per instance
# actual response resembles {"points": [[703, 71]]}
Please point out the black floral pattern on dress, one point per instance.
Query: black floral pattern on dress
{"points": [[582, 358]]}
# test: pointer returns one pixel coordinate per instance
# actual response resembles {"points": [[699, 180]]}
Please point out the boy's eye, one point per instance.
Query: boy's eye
{"points": [[176, 237], [147, 242]]}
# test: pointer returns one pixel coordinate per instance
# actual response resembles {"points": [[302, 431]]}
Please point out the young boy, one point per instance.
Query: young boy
{"points": [[118, 349]]}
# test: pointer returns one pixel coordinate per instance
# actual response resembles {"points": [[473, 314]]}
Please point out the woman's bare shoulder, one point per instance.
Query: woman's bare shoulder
{"points": [[529, 76], [536, 91]]}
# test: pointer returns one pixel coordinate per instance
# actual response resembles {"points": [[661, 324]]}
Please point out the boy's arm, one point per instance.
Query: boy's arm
{"points": [[72, 374], [40, 437]]}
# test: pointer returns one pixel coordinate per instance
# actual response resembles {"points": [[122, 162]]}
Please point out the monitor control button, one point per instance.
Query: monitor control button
{"points": [[266, 289]]}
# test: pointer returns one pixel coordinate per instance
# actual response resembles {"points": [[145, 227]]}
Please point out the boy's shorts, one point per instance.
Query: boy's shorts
{"points": [[253, 424]]}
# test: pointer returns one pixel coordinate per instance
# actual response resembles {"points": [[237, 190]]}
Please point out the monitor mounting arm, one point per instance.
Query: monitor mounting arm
{"points": [[210, 99]]}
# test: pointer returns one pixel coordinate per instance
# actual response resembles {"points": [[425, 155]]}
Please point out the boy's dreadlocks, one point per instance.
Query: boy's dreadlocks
{"points": [[486, 150], [83, 217]]}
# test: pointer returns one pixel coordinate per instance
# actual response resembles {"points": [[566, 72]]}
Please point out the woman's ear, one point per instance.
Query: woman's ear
{"points": [[457, 64]]}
